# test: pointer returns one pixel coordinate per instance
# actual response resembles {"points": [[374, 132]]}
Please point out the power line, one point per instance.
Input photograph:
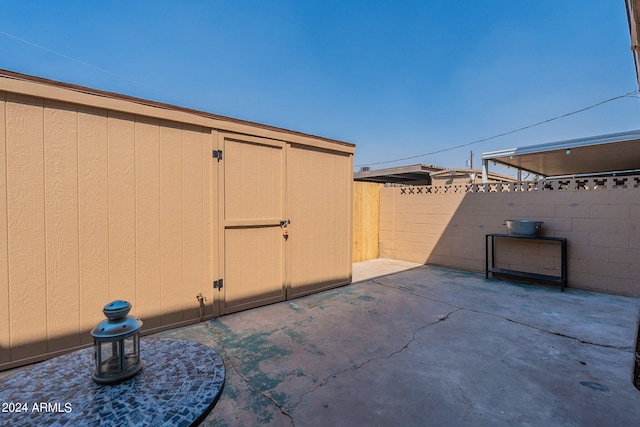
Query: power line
{"points": [[86, 64], [633, 93]]}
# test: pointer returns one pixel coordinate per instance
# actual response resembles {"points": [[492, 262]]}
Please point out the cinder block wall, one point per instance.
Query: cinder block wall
{"points": [[447, 226]]}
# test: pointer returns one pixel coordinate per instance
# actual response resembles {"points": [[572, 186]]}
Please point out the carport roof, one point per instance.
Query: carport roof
{"points": [[616, 152], [412, 174]]}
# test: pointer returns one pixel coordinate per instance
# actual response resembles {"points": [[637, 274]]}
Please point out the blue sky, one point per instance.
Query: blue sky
{"points": [[396, 78]]}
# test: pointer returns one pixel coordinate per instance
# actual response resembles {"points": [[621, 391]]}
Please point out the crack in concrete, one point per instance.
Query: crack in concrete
{"points": [[360, 365], [281, 408], [559, 334], [284, 409], [218, 337]]}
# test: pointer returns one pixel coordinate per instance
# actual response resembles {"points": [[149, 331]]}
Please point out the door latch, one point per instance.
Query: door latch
{"points": [[285, 229]]}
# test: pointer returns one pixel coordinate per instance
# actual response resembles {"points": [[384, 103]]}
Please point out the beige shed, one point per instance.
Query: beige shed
{"points": [[104, 196]]}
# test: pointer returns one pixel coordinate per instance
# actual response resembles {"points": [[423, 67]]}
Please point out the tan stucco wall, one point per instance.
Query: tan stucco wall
{"points": [[447, 226]]}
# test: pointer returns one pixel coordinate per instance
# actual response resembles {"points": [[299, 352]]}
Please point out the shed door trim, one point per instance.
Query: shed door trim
{"points": [[252, 204]]}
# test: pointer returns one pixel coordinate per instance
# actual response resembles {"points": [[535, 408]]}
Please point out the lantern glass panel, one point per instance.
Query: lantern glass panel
{"points": [[131, 355], [109, 357]]}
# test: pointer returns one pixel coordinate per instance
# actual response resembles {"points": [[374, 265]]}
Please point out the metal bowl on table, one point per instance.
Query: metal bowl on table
{"points": [[523, 227]]}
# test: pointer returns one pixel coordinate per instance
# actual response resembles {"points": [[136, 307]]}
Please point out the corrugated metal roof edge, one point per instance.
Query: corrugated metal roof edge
{"points": [[563, 145], [141, 101], [476, 171]]}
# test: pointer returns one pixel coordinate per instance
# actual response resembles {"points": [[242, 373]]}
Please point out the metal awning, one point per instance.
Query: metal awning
{"points": [[413, 174], [617, 152], [472, 174]]}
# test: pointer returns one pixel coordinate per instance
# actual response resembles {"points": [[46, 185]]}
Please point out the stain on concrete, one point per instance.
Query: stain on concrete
{"points": [[295, 334], [313, 349], [319, 300], [595, 386], [295, 307], [243, 355], [290, 366]]}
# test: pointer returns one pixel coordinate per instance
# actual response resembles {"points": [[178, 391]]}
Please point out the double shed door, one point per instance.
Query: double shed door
{"points": [[263, 182]]}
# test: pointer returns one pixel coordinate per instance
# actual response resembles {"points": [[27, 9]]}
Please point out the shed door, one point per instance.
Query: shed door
{"points": [[252, 204], [319, 185]]}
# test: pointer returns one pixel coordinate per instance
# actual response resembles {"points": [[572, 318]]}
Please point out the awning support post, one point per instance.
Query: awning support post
{"points": [[485, 171]]}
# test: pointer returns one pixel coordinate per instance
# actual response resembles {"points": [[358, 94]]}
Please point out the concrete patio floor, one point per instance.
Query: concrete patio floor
{"points": [[427, 346]]}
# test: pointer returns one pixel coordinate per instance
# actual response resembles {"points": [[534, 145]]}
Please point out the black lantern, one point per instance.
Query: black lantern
{"points": [[117, 344]]}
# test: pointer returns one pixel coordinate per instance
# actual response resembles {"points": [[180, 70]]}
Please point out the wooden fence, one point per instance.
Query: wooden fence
{"points": [[366, 216]]}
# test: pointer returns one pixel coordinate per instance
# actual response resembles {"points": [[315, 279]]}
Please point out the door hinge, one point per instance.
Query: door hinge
{"points": [[217, 284], [217, 154]]}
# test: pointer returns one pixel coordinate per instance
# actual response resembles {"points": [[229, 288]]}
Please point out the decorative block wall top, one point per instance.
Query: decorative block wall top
{"points": [[560, 184]]}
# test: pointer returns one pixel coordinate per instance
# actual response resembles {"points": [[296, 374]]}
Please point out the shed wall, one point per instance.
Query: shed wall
{"points": [[104, 198], [100, 205], [319, 206]]}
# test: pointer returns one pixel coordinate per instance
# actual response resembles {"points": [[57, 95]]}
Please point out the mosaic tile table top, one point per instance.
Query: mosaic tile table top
{"points": [[179, 385]]}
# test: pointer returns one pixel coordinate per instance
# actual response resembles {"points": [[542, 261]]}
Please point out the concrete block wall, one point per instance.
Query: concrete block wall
{"points": [[447, 226]]}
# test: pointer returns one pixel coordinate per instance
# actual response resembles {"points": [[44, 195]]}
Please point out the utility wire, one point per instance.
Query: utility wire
{"points": [[633, 93], [86, 64]]}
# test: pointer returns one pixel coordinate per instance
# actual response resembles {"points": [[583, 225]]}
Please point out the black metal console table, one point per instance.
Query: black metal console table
{"points": [[562, 280]]}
